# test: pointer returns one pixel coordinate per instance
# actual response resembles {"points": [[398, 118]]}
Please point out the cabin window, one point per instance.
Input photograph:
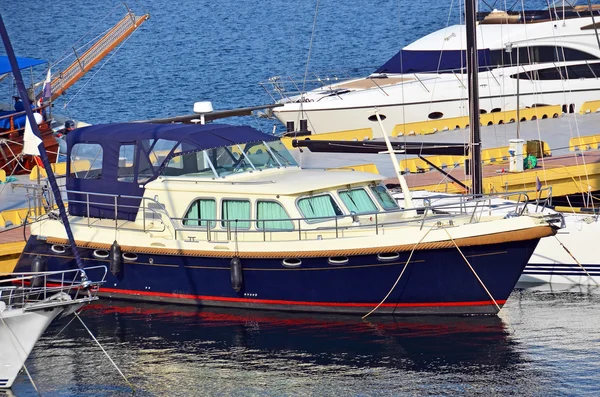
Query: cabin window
{"points": [[236, 210], [152, 154], [318, 206], [126, 162], [200, 213], [358, 201], [271, 215], [86, 161], [383, 196], [282, 154]]}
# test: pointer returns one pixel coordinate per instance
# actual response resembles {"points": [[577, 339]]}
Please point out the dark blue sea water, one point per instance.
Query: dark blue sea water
{"points": [[544, 343]]}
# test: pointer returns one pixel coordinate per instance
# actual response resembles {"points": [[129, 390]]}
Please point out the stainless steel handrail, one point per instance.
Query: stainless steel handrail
{"points": [[215, 229], [30, 290]]}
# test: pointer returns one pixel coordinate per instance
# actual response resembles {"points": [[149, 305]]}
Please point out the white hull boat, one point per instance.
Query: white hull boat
{"points": [[530, 56], [29, 302]]}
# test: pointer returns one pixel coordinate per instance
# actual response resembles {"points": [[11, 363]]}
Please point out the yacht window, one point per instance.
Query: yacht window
{"points": [[282, 154], [259, 155], [271, 215], [152, 154], [538, 54], [201, 209], [86, 161], [358, 201], [384, 197], [572, 72], [125, 171], [236, 210], [195, 163], [318, 206]]}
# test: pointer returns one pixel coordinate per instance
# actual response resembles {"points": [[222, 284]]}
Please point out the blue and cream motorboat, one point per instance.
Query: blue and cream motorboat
{"points": [[220, 215]]}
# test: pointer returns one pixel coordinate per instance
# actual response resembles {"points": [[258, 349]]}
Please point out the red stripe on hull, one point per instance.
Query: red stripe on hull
{"points": [[295, 303]]}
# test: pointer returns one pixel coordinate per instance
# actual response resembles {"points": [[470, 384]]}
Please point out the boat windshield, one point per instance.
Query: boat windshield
{"points": [[228, 160]]}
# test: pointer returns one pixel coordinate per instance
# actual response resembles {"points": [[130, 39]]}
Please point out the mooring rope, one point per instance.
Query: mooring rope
{"points": [[473, 270], [575, 259], [104, 351], [401, 273]]}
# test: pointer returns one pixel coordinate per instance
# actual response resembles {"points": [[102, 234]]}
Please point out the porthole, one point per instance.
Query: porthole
{"points": [[291, 262], [374, 117], [389, 256], [435, 115], [101, 254], [58, 249], [338, 260], [129, 257]]}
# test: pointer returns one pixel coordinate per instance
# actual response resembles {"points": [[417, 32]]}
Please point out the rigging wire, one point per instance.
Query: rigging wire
{"points": [[116, 50], [312, 37]]}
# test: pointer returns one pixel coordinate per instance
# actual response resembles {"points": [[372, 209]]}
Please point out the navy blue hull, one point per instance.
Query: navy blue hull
{"points": [[435, 281]]}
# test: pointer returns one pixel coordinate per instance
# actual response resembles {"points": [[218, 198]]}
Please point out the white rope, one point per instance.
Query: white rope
{"points": [[104, 351], [401, 273], [473, 270], [576, 261]]}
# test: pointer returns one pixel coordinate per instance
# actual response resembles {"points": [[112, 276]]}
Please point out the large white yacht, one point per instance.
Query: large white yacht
{"points": [[547, 57]]}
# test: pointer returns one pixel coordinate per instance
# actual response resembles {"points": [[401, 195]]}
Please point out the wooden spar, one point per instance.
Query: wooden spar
{"points": [[90, 58]]}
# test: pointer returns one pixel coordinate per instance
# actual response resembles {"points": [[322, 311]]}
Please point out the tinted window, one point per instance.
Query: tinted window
{"points": [[588, 71]]}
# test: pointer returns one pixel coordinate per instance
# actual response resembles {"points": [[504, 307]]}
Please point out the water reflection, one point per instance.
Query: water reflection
{"points": [[178, 350]]}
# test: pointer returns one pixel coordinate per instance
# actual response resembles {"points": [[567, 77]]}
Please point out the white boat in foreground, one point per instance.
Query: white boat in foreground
{"points": [[29, 302]]}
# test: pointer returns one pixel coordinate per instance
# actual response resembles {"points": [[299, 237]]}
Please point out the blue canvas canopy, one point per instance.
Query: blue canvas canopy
{"points": [[22, 62], [407, 61], [140, 138]]}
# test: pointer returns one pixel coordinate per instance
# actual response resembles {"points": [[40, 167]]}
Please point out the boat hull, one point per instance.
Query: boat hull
{"points": [[19, 332], [569, 257], [435, 281]]}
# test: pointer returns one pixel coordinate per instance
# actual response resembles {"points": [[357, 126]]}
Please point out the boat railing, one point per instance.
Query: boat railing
{"points": [[285, 87], [151, 216], [8, 125], [35, 290], [151, 209]]}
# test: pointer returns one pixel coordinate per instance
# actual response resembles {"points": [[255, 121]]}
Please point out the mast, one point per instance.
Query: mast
{"points": [[473, 87], [24, 97]]}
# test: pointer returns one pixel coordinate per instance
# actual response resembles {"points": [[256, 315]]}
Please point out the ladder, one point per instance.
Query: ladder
{"points": [[63, 80]]}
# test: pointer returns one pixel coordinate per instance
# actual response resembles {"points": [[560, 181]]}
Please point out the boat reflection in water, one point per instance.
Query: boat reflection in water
{"points": [[178, 349]]}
